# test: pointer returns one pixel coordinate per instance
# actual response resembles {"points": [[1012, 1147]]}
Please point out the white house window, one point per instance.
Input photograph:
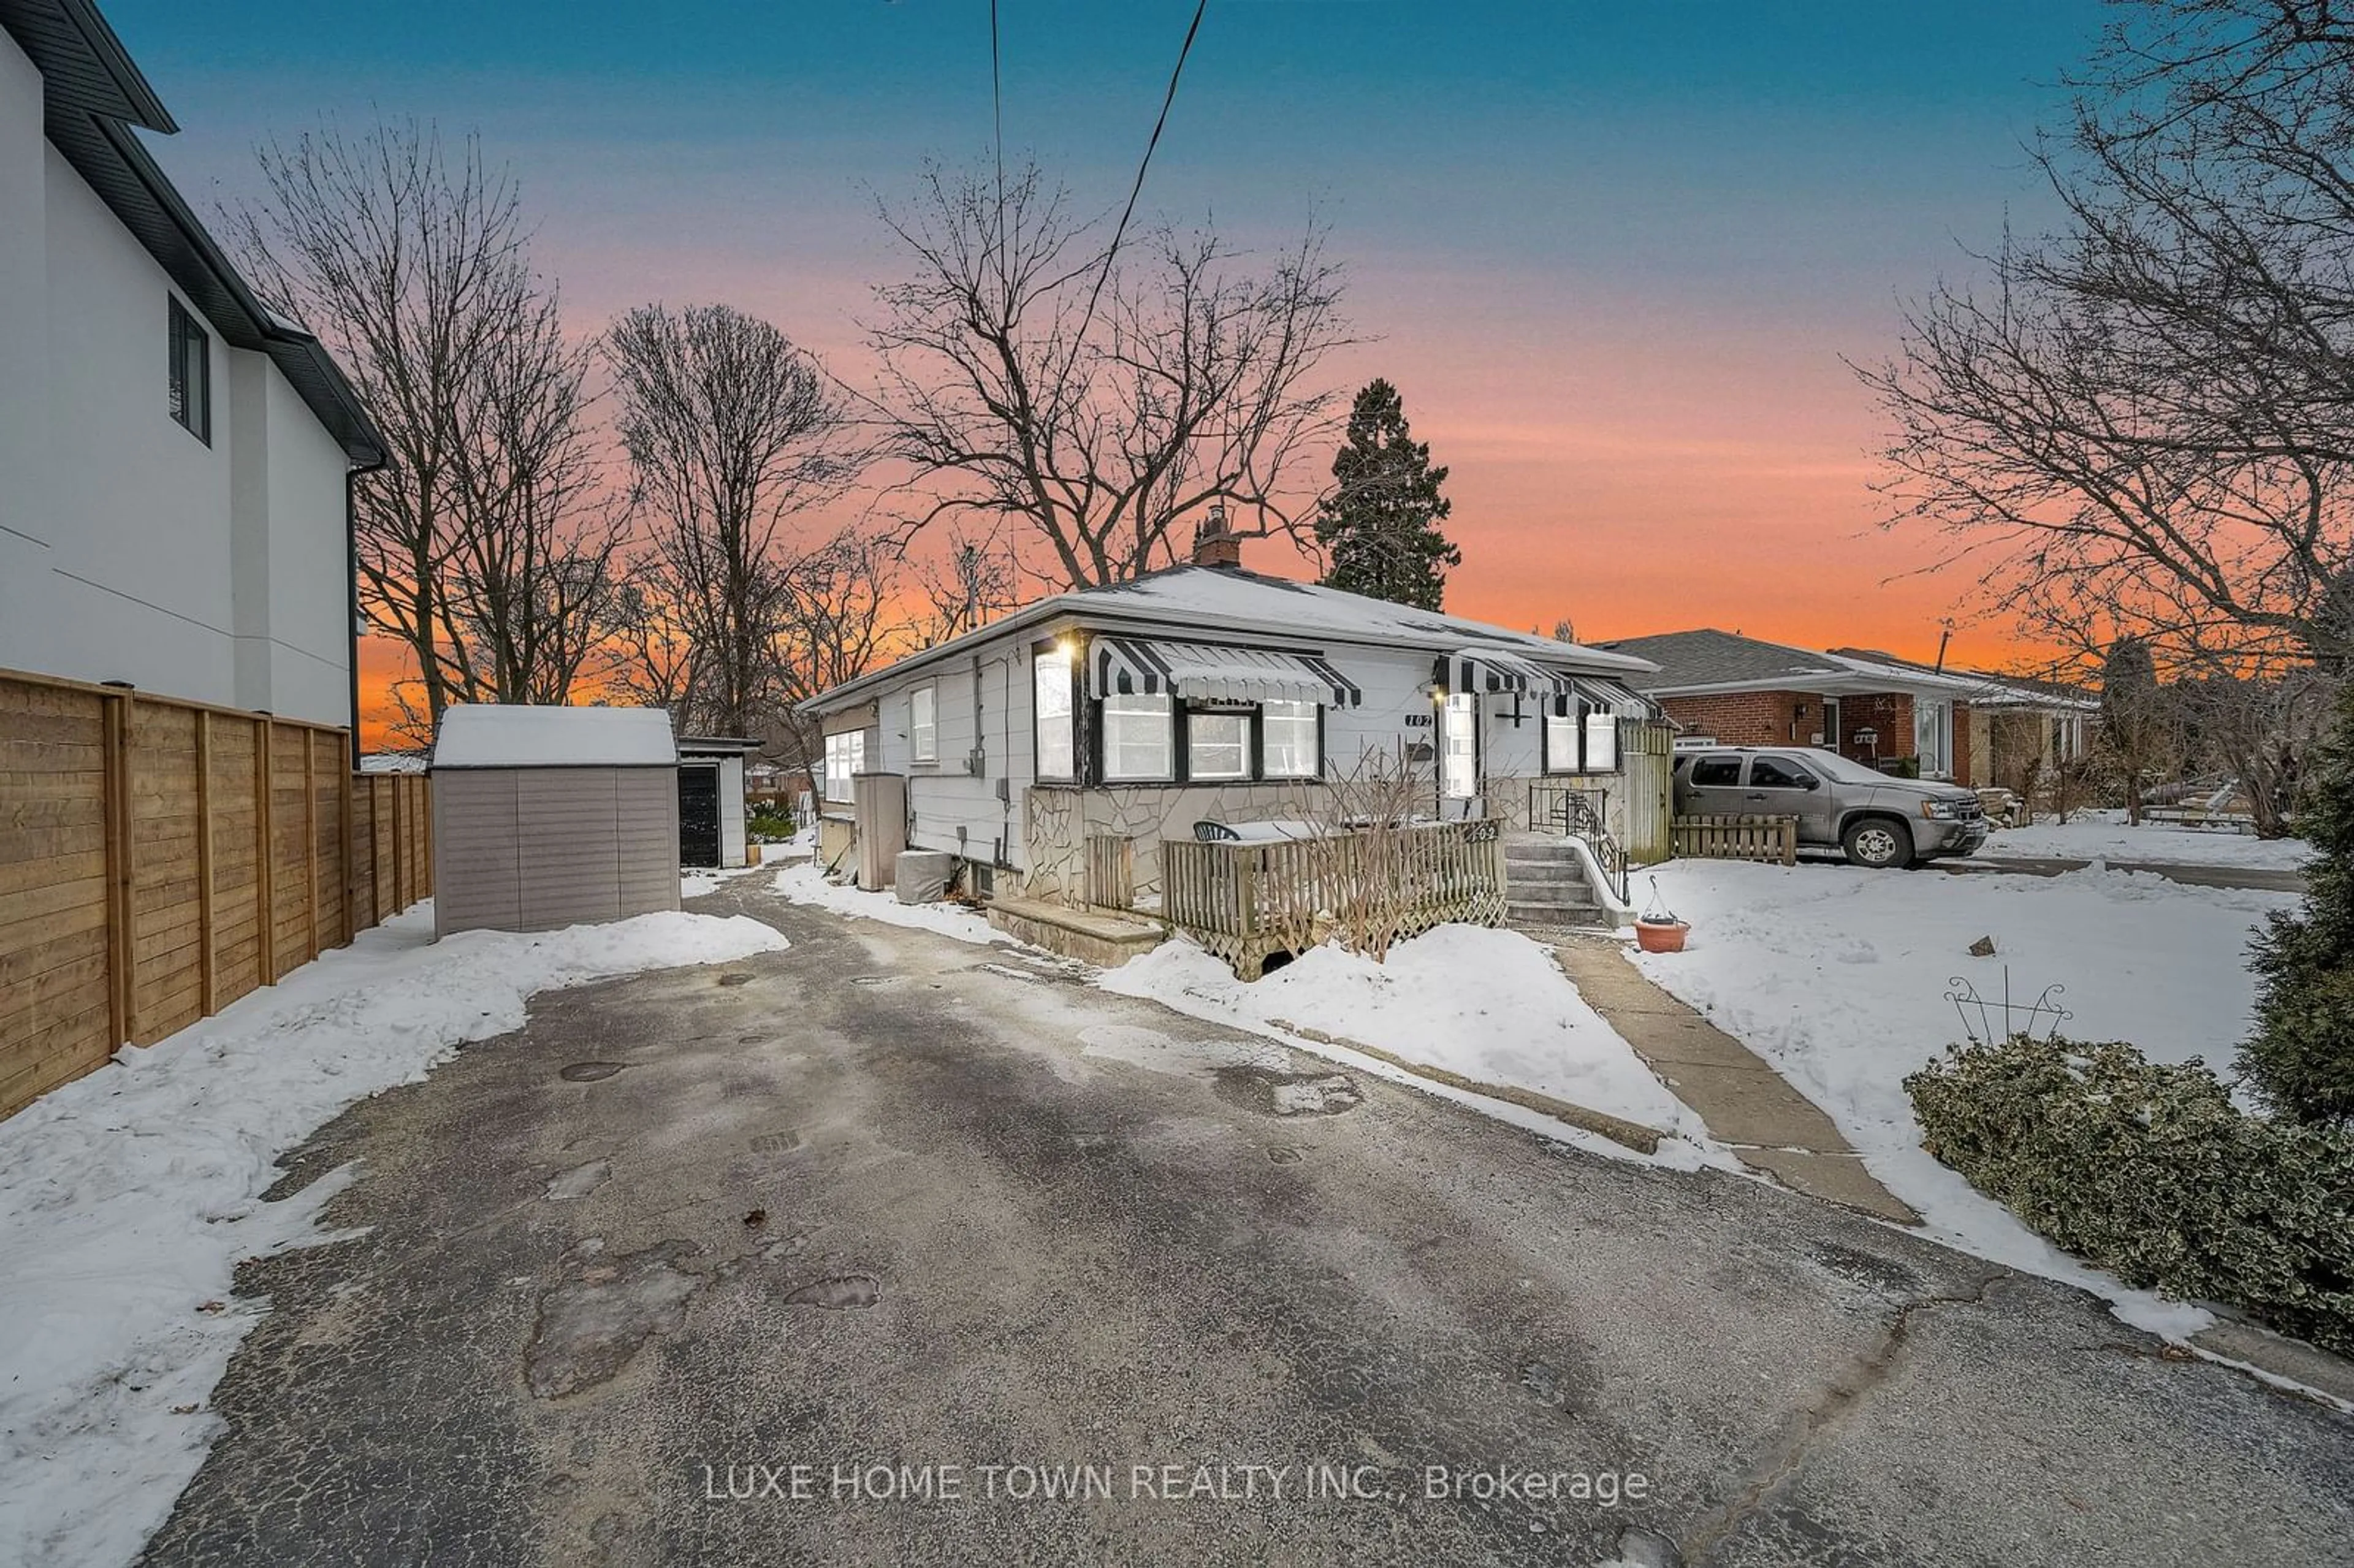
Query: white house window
{"points": [[923, 724], [1217, 746], [1602, 742], [1139, 741], [846, 756], [1058, 758], [1287, 747], [190, 361], [1561, 736]]}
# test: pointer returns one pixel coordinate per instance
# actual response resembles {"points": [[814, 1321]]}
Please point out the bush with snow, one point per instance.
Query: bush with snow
{"points": [[2149, 1169]]}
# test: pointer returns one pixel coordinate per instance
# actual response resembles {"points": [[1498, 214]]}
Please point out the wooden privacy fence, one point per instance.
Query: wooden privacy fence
{"points": [[1247, 901], [1771, 839], [159, 859], [1111, 870]]}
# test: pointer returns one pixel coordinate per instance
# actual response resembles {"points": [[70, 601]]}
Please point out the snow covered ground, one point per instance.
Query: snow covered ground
{"points": [[128, 1197], [1491, 1005], [2106, 835], [803, 883], [1839, 977]]}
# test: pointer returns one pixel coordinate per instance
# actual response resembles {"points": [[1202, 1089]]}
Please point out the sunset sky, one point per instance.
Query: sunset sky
{"points": [[1612, 255]]}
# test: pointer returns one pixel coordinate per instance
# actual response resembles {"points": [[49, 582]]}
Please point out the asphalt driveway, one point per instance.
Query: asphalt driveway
{"points": [[877, 1250]]}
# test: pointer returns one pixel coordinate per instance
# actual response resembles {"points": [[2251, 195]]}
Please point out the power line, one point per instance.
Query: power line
{"points": [[1129, 211], [997, 110]]}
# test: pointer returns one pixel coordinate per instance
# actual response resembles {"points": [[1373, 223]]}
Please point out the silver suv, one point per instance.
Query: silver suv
{"points": [[1877, 819]]}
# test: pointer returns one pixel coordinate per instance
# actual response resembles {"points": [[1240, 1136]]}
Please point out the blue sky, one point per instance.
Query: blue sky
{"points": [[1612, 253]]}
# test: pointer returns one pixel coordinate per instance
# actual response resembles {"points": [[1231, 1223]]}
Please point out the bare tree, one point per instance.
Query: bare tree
{"points": [[978, 581], [413, 269], [839, 617], [647, 656], [2257, 732], [730, 430], [2151, 410], [1095, 400], [527, 583]]}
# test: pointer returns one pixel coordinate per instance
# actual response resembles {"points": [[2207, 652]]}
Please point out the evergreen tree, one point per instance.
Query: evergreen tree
{"points": [[2132, 715], [1380, 525], [2301, 1057]]}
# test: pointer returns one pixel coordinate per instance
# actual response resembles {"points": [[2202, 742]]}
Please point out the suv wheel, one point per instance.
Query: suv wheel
{"points": [[1879, 842]]}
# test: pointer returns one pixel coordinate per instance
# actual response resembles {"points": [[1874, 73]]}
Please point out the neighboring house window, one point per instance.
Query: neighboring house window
{"points": [[1058, 756], [846, 756], [1288, 740], [1217, 746], [1602, 741], [1138, 743], [923, 724], [191, 362]]}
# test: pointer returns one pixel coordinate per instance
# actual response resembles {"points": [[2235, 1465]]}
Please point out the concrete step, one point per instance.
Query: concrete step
{"points": [[1518, 913]]}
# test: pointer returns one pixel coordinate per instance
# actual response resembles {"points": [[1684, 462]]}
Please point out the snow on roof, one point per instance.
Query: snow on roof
{"points": [[504, 734], [1208, 601], [393, 762]]}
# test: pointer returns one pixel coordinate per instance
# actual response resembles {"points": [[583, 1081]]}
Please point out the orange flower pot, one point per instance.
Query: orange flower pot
{"points": [[1660, 936]]}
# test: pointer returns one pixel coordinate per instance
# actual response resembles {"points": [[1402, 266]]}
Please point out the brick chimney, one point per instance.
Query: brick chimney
{"points": [[1216, 545]]}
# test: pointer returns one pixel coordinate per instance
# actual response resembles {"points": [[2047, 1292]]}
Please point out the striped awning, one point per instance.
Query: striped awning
{"points": [[1129, 666], [1501, 670], [1616, 697]]}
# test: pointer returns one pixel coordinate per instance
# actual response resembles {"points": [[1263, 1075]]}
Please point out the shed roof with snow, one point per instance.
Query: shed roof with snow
{"points": [[508, 735]]}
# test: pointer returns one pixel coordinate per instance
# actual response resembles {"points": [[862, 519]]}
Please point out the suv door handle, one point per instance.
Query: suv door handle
{"points": [[1753, 796]]}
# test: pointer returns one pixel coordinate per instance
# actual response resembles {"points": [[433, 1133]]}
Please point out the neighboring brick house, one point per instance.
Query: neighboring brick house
{"points": [[1741, 690]]}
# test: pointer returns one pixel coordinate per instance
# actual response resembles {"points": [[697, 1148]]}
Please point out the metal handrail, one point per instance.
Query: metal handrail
{"points": [[1583, 814]]}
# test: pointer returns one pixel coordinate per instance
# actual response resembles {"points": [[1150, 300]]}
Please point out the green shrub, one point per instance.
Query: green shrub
{"points": [[2151, 1173], [769, 824], [2300, 1058]]}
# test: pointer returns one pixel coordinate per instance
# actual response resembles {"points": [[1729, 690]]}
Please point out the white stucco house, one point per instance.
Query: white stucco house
{"points": [[174, 456], [1206, 693]]}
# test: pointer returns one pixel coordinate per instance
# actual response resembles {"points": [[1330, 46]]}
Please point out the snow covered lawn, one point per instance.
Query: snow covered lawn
{"points": [[128, 1197], [1491, 1005], [2106, 835], [803, 883], [1838, 976]]}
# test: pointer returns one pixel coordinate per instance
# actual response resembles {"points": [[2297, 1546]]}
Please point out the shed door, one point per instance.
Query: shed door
{"points": [[698, 816]]}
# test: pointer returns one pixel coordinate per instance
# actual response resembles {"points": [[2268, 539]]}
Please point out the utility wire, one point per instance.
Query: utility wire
{"points": [[1129, 211], [997, 111]]}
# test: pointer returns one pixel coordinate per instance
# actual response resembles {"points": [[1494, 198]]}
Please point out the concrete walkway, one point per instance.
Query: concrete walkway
{"points": [[1748, 1107]]}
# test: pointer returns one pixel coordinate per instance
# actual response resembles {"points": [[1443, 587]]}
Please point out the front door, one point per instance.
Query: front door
{"points": [[698, 816], [1459, 753]]}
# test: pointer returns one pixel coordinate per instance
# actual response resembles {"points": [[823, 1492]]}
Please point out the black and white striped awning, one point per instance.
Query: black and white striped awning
{"points": [[1127, 666], [1599, 693], [1501, 671]]}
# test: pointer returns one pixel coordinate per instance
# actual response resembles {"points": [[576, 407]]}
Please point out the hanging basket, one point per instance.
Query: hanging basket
{"points": [[1659, 929]]}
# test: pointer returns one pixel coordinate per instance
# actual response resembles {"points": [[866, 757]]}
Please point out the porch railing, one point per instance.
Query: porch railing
{"points": [[1247, 902], [1571, 809]]}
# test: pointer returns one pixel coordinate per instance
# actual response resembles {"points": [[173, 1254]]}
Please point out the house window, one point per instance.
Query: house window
{"points": [[1288, 740], [1217, 746], [190, 368], [1561, 736], [1602, 741], [923, 724], [1058, 756], [1138, 743], [846, 756]]}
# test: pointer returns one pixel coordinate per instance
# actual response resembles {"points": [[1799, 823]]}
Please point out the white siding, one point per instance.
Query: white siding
{"points": [[942, 795], [539, 848], [130, 550]]}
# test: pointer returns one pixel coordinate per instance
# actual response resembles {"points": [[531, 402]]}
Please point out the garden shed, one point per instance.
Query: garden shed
{"points": [[711, 827], [548, 817]]}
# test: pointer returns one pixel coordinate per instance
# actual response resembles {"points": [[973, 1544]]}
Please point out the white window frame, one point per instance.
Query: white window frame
{"points": [[923, 723], [1147, 724], [845, 758], [1600, 736], [1560, 736], [1053, 717], [1935, 718], [1459, 747], [1195, 720], [1291, 715]]}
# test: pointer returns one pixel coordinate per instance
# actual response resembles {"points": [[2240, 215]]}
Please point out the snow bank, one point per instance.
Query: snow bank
{"points": [[1838, 977], [1491, 1005], [2106, 835], [128, 1197], [803, 883]]}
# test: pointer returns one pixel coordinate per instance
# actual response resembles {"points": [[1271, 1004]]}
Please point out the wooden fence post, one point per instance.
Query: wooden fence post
{"points": [[310, 844], [205, 861], [265, 887], [350, 858], [121, 957]]}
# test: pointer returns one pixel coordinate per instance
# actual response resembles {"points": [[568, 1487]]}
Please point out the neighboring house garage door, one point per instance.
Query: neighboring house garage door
{"points": [[698, 816]]}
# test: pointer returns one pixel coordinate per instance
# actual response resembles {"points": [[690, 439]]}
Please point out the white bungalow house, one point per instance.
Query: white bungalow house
{"points": [[1207, 693], [174, 456]]}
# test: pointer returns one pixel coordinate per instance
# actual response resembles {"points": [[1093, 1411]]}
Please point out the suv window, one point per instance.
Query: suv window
{"points": [[1724, 770], [1777, 773]]}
